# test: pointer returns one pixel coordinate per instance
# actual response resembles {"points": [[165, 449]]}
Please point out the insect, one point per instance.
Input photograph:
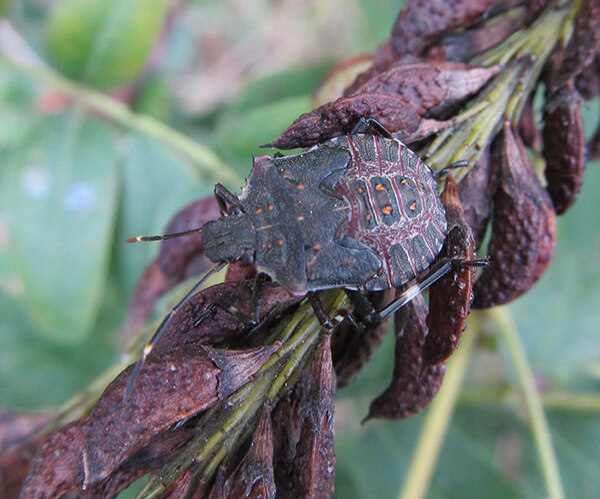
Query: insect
{"points": [[359, 212]]}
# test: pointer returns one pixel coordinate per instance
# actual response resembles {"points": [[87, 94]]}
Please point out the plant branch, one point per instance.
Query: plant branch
{"points": [[205, 162], [533, 402], [439, 415]]}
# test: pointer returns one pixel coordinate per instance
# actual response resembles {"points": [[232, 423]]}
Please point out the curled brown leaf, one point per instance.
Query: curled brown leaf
{"points": [[313, 468], [340, 116], [428, 86], [412, 386], [464, 45], [450, 297], [582, 48], [421, 23], [173, 386], [564, 147], [523, 229]]}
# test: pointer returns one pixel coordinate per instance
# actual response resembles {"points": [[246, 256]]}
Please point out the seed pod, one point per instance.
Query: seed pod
{"points": [[412, 386], [253, 477], [464, 45], [429, 87], [450, 297], [582, 48], [313, 473], [476, 190], [422, 22], [523, 229], [340, 116], [564, 147]]}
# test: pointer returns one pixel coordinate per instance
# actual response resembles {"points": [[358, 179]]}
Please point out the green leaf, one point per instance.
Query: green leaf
{"points": [[104, 43], [57, 205]]}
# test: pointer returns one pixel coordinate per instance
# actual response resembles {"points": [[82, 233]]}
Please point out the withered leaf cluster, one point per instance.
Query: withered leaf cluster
{"points": [[435, 67]]}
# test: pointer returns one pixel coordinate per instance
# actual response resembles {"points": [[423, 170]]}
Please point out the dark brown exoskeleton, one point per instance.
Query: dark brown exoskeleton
{"points": [[359, 212]]}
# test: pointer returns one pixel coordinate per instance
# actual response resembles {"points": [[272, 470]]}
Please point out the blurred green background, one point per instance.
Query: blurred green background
{"points": [[232, 75]]}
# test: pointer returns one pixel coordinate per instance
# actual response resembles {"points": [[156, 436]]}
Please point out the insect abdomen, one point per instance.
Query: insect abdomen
{"points": [[396, 208]]}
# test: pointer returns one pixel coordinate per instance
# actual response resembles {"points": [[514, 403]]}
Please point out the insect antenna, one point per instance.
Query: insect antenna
{"points": [[162, 237], [163, 326]]}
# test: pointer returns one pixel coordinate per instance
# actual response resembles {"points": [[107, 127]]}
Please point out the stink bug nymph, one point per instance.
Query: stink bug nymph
{"points": [[360, 212]]}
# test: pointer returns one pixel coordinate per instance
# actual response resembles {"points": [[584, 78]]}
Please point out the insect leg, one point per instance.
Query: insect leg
{"points": [[250, 320], [326, 321], [365, 123], [446, 171], [433, 274], [363, 307], [163, 326]]}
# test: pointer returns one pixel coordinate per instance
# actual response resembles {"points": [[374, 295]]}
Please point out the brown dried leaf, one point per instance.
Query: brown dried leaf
{"points": [[178, 260], [340, 116], [189, 486], [476, 190], [353, 348], [421, 23], [528, 129], [171, 388], [221, 326], [313, 471], [464, 45], [523, 229], [286, 430], [564, 147], [254, 477], [450, 297], [428, 87], [412, 386], [582, 48], [58, 466]]}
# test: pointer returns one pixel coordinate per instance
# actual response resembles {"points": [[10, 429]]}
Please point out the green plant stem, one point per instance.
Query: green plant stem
{"points": [[533, 402], [205, 162], [439, 415], [556, 400]]}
